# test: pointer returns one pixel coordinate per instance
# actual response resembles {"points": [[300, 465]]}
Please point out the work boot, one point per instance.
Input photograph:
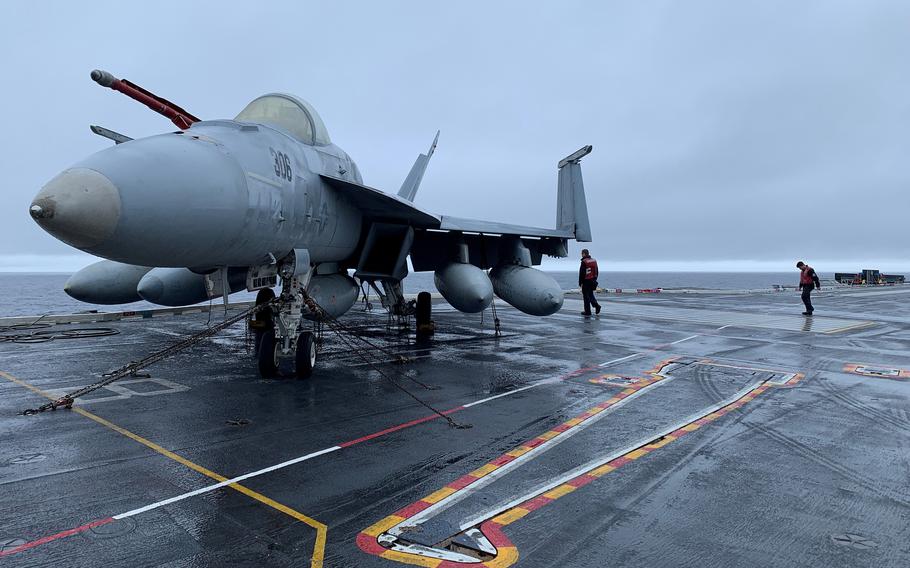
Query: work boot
{"points": [[597, 309]]}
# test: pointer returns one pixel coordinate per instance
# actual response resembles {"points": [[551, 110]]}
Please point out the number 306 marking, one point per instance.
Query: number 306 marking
{"points": [[282, 165]]}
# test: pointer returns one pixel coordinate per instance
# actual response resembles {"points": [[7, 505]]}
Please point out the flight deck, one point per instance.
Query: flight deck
{"points": [[713, 428]]}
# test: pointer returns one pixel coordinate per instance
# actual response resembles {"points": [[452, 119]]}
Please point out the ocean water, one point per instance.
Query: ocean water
{"points": [[42, 293]]}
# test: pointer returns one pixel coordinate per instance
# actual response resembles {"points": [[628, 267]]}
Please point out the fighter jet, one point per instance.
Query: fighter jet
{"points": [[220, 206]]}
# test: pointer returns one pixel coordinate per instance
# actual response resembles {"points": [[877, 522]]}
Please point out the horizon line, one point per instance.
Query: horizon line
{"points": [[70, 263]]}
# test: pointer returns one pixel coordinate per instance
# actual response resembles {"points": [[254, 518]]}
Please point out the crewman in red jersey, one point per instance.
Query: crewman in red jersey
{"points": [[587, 280], [808, 280]]}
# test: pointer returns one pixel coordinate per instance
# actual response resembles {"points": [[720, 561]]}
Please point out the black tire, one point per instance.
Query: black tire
{"points": [[261, 321], [305, 358], [264, 295], [266, 358]]}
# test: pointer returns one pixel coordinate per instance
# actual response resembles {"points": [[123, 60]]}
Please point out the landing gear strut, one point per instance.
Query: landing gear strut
{"points": [[284, 344]]}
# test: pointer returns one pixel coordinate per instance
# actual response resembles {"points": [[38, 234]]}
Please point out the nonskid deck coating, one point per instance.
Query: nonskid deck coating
{"points": [[779, 481]]}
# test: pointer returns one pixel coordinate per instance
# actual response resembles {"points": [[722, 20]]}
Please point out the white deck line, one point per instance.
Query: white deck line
{"points": [[225, 483], [626, 358], [293, 461]]}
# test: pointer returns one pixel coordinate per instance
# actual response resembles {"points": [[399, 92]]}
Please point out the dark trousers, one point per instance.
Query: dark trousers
{"points": [[807, 298], [587, 292]]}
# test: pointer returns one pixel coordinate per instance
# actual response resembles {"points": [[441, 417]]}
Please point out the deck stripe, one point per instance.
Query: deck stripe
{"points": [[321, 529], [374, 435], [53, 537], [507, 553]]}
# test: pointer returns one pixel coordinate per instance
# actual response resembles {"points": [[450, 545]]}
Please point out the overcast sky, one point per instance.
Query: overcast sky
{"points": [[726, 134]]}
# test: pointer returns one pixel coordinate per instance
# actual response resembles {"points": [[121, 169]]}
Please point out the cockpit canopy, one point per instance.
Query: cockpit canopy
{"points": [[289, 113]]}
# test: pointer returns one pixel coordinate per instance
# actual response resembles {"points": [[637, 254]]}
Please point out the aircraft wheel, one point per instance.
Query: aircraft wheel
{"points": [[262, 321], [306, 354], [267, 355], [264, 295]]}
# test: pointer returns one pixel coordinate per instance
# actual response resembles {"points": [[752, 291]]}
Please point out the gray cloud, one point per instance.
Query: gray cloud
{"points": [[764, 130]]}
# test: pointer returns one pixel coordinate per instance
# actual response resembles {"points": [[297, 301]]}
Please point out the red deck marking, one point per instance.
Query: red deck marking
{"points": [[796, 378], [493, 530], [435, 416], [536, 503], [581, 480], [369, 544], [494, 534], [412, 509], [503, 459], [57, 536], [399, 427], [619, 462], [462, 482]]}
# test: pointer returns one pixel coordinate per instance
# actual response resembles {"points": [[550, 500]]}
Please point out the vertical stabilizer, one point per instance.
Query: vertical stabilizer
{"points": [[415, 176], [571, 208]]}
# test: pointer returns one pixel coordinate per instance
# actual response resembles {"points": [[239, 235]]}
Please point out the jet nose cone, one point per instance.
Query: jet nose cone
{"points": [[81, 207]]}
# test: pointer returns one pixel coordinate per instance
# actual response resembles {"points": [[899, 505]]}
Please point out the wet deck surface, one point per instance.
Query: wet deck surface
{"points": [[673, 430]]}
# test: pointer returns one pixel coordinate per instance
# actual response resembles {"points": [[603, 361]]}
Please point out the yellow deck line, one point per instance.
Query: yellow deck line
{"points": [[321, 529]]}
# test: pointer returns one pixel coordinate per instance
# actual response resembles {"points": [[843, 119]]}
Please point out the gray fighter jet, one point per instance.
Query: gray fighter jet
{"points": [[224, 205]]}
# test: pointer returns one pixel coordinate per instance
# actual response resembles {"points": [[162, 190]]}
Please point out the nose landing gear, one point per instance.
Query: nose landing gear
{"points": [[273, 363], [283, 349]]}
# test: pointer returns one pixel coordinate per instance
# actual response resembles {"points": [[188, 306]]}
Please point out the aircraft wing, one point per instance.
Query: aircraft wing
{"points": [[486, 241], [380, 206], [433, 241], [493, 228]]}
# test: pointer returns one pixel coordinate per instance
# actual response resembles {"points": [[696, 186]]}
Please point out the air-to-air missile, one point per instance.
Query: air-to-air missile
{"points": [[219, 206]]}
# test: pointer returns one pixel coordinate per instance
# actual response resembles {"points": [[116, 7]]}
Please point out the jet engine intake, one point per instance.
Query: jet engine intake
{"points": [[464, 286], [526, 289]]}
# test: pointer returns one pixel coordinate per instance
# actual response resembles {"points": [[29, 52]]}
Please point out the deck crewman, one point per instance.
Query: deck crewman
{"points": [[808, 281], [587, 280]]}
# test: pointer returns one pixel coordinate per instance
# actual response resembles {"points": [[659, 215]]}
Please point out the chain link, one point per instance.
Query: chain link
{"points": [[67, 400]]}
